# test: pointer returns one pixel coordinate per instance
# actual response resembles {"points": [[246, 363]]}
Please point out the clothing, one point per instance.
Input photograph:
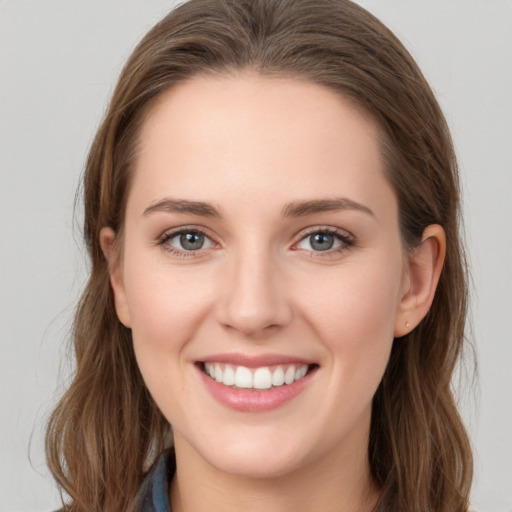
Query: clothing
{"points": [[154, 492]]}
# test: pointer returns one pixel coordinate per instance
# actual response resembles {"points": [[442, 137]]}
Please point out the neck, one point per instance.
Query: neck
{"points": [[326, 484]]}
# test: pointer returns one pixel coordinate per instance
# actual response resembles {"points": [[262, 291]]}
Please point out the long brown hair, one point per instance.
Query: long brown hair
{"points": [[106, 430]]}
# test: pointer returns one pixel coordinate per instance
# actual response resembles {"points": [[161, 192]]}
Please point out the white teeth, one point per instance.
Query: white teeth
{"points": [[278, 377], [289, 376], [301, 371], [229, 376], [243, 377], [262, 378], [259, 378]]}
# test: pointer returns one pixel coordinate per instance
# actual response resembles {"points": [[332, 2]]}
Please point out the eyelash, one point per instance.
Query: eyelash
{"points": [[169, 235], [347, 241]]}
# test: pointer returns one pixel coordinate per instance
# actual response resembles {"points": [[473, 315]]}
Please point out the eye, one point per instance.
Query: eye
{"points": [[189, 241], [185, 240], [324, 241]]}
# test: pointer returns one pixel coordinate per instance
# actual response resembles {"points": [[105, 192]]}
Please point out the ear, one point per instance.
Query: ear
{"points": [[423, 270], [107, 241]]}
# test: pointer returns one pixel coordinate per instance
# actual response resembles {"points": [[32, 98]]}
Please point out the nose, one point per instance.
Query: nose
{"points": [[254, 300]]}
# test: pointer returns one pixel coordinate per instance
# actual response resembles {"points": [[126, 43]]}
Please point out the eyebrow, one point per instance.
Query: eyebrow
{"points": [[183, 206], [303, 208], [293, 209]]}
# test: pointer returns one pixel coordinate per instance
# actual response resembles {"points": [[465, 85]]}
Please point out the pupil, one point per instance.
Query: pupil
{"points": [[191, 241], [322, 241]]}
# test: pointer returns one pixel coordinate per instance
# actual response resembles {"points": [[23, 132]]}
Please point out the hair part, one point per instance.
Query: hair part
{"points": [[107, 430]]}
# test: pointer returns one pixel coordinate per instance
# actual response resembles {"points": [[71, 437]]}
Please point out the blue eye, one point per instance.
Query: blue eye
{"points": [[191, 241], [186, 241], [323, 241]]}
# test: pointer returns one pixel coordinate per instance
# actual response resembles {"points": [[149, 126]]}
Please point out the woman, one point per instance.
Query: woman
{"points": [[271, 211]]}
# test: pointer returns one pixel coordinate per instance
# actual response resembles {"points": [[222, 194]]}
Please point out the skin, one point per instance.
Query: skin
{"points": [[250, 146]]}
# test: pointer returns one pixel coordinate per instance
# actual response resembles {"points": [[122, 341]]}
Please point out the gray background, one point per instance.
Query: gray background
{"points": [[59, 60]]}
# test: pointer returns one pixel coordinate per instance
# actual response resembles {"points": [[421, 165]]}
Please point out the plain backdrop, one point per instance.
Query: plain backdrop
{"points": [[59, 60]]}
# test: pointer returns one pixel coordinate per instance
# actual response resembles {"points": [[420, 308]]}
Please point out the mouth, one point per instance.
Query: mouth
{"points": [[261, 378], [255, 383]]}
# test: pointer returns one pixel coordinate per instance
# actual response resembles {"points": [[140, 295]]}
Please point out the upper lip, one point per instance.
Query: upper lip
{"points": [[254, 361]]}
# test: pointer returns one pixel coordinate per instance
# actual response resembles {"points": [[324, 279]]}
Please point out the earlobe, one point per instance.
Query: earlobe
{"points": [[425, 264], [107, 241]]}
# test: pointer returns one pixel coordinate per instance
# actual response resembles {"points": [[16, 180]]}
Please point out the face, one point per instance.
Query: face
{"points": [[262, 271]]}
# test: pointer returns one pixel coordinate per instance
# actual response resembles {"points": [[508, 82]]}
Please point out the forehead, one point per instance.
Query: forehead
{"points": [[242, 136]]}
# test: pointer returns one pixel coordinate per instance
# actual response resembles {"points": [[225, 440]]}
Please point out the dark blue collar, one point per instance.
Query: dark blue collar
{"points": [[154, 492]]}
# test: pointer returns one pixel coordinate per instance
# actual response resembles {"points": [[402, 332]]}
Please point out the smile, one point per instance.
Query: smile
{"points": [[262, 378], [255, 384]]}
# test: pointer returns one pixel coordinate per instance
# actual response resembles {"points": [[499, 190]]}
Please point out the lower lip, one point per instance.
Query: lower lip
{"points": [[251, 400]]}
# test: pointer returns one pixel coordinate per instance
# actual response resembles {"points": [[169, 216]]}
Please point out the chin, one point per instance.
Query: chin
{"points": [[248, 452], [257, 464]]}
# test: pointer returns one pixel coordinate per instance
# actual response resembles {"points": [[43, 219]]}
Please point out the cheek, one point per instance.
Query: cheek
{"points": [[357, 301], [353, 313], [166, 306]]}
